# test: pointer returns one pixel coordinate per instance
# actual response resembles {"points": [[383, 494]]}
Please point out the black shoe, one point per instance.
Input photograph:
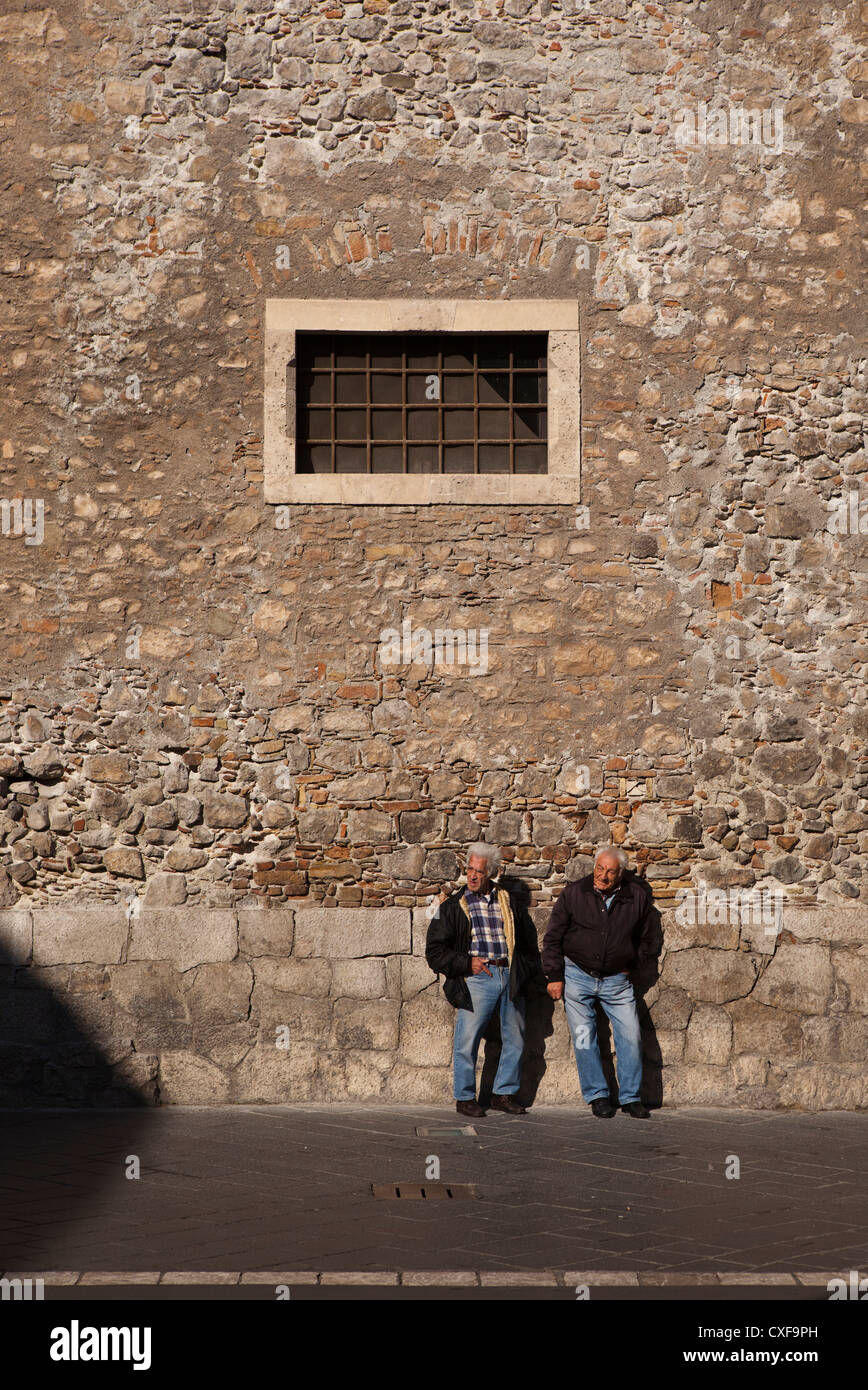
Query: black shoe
{"points": [[507, 1103], [602, 1108], [637, 1110], [471, 1108]]}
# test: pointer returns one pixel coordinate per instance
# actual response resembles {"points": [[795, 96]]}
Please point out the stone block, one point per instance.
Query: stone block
{"points": [[681, 935], [369, 827], [248, 56], [839, 1038], [841, 1086], [710, 976], [697, 1083], [317, 827], [670, 1042], [751, 1073], [421, 827], [303, 977], [549, 828], [378, 105], [350, 933], [16, 938], [709, 1035], [404, 863], [9, 890], [186, 1079], [672, 1009], [649, 825], [346, 1076], [786, 764], [270, 1075], [186, 937], [184, 858], [766, 1031], [307, 1020], [416, 975], [146, 987], [165, 890], [265, 931], [595, 831], [851, 978], [366, 1024], [95, 933], [504, 828], [124, 862], [798, 977], [441, 865], [224, 811], [127, 98], [108, 767], [560, 1084], [218, 992], [359, 979], [426, 1029], [826, 923], [409, 1085]]}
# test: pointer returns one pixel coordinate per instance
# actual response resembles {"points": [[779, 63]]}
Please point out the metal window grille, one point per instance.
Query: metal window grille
{"points": [[421, 403]]}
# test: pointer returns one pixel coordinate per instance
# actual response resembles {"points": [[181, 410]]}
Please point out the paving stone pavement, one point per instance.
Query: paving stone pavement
{"points": [[274, 1188]]}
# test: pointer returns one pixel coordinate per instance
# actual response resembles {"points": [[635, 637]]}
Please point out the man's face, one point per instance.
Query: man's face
{"points": [[477, 874], [607, 873]]}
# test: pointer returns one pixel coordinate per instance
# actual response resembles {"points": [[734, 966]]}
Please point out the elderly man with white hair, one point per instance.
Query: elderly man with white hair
{"points": [[484, 941], [599, 930]]}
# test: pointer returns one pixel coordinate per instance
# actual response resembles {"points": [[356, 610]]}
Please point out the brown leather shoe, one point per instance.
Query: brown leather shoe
{"points": [[471, 1108], [509, 1104]]}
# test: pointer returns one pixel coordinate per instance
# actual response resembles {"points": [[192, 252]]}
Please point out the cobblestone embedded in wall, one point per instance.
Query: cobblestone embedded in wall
{"points": [[195, 717]]}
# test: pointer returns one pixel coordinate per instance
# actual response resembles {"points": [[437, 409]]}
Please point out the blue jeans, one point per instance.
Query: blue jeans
{"points": [[488, 993], [616, 996]]}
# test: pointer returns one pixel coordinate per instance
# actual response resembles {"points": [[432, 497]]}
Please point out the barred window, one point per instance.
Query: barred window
{"points": [[421, 401]]}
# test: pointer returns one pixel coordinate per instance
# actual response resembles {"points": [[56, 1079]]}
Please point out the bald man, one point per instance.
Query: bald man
{"points": [[598, 932]]}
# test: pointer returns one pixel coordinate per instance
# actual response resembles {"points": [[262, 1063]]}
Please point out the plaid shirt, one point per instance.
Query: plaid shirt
{"points": [[488, 938]]}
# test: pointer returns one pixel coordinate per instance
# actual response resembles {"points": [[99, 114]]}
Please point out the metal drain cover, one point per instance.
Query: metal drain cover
{"points": [[424, 1191]]}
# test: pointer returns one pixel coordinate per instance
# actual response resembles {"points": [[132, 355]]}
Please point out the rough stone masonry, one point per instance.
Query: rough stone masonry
{"points": [[220, 818]]}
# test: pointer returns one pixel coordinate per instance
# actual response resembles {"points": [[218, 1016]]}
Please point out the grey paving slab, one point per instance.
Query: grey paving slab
{"points": [[265, 1188]]}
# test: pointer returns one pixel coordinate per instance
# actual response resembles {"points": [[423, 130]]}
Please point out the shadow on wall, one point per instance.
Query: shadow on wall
{"points": [[48, 1056], [540, 1024], [55, 1170]]}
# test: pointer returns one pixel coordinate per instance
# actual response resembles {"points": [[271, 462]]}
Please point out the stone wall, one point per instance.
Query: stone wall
{"points": [[195, 727], [258, 1005]]}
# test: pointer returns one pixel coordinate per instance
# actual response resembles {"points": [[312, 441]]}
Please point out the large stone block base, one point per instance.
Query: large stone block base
{"points": [[176, 1006]]}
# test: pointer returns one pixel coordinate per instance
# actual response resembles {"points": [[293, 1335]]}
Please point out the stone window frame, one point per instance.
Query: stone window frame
{"points": [[559, 318]]}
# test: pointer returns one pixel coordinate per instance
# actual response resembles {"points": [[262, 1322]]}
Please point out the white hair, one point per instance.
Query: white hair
{"points": [[615, 853], [490, 853]]}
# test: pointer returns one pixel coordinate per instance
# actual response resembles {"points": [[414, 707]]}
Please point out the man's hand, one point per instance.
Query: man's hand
{"points": [[477, 965], [555, 990]]}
